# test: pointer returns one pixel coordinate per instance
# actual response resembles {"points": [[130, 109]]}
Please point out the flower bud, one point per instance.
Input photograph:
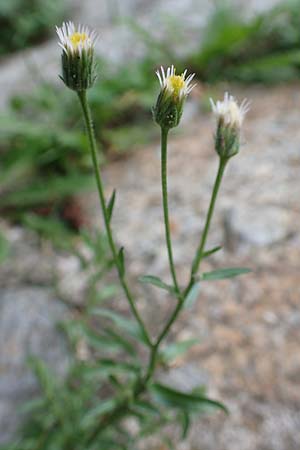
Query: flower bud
{"points": [[230, 117], [174, 91], [78, 68]]}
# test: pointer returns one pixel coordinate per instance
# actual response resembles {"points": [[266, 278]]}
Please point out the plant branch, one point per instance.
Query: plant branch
{"points": [[201, 248], [195, 268], [93, 147], [164, 185]]}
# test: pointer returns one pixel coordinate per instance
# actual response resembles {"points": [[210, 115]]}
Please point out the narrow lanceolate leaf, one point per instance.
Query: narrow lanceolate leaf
{"points": [[109, 366], [185, 423], [155, 281], [224, 273], [110, 205], [184, 401], [172, 351], [131, 327], [95, 413], [121, 261], [4, 248], [211, 252], [192, 295]]}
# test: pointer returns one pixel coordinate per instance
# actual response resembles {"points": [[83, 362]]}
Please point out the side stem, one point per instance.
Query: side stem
{"points": [[195, 268], [93, 147], [164, 185], [201, 248]]}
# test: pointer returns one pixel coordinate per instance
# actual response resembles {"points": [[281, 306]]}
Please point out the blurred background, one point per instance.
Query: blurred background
{"points": [[54, 258]]}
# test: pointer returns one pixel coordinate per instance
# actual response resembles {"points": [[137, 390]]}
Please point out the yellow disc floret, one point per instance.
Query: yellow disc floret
{"points": [[177, 83], [78, 38]]}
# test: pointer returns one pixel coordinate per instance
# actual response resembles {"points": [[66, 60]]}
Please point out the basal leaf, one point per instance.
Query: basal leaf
{"points": [[185, 423], [93, 415], [182, 400]]}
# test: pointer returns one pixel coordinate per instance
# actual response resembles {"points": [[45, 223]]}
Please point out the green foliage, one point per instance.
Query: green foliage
{"points": [[156, 281], [69, 411], [222, 274], [26, 22], [172, 351], [188, 402], [229, 46], [42, 165], [44, 154], [4, 248]]}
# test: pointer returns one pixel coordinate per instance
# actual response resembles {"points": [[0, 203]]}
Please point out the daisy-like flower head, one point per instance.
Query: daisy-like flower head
{"points": [[174, 91], [77, 43], [176, 85], [76, 39], [230, 117], [229, 112]]}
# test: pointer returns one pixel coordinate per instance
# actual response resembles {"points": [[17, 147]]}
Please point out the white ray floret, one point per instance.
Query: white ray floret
{"points": [[229, 112], [177, 85], [73, 39]]}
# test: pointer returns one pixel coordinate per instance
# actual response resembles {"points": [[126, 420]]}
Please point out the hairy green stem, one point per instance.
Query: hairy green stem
{"points": [[164, 185], [93, 147]]}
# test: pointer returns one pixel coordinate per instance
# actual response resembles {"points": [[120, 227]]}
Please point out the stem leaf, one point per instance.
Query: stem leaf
{"points": [[155, 281], [121, 261], [110, 205], [185, 423], [184, 401], [94, 414], [131, 327], [211, 251], [222, 274], [192, 295], [172, 351]]}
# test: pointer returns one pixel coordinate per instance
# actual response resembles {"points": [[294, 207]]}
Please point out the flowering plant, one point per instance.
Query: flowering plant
{"points": [[93, 416], [138, 394]]}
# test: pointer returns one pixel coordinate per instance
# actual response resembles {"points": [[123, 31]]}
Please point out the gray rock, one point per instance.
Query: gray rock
{"points": [[259, 226], [28, 261], [28, 318]]}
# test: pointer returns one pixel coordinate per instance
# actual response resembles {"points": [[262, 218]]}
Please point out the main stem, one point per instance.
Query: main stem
{"points": [[164, 185], [181, 297], [195, 268], [93, 147]]}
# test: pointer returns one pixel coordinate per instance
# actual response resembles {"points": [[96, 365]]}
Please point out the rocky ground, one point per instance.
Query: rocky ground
{"points": [[248, 329], [118, 41]]}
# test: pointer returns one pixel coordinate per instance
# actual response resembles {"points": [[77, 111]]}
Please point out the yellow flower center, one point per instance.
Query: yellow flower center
{"points": [[177, 84], [78, 38]]}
